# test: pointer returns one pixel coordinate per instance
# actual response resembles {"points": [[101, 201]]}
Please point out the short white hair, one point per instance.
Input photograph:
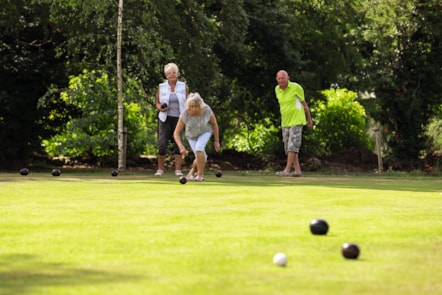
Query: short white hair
{"points": [[171, 66]]}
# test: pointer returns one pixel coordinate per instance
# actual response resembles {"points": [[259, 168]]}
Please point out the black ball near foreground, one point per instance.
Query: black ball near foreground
{"points": [[56, 172], [319, 227], [183, 180], [164, 105], [24, 171], [114, 173], [219, 173], [350, 250]]}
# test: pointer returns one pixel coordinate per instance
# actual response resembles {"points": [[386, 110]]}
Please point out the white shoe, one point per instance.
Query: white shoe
{"points": [[190, 177], [178, 173], [159, 173], [199, 178]]}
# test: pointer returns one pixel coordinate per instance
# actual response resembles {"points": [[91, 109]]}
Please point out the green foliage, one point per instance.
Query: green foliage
{"points": [[287, 35], [435, 131], [27, 68], [229, 51], [340, 123], [93, 133], [404, 59], [256, 138]]}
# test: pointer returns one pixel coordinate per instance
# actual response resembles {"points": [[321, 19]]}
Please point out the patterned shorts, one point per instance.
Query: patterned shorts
{"points": [[292, 138]]}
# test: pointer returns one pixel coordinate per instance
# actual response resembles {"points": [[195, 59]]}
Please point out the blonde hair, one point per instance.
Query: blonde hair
{"points": [[171, 66], [194, 100]]}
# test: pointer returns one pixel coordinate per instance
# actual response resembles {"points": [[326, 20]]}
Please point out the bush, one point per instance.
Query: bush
{"points": [[257, 139], [339, 123], [92, 133]]}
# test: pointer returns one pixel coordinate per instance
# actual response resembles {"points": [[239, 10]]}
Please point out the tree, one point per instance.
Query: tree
{"points": [[404, 56], [227, 50], [91, 43], [28, 66], [312, 40], [91, 135]]}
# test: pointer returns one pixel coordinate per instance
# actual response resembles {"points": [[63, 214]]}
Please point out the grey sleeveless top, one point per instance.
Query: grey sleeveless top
{"points": [[195, 126], [174, 106]]}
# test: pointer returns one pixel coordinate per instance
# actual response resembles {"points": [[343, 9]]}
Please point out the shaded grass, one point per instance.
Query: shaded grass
{"points": [[137, 234]]}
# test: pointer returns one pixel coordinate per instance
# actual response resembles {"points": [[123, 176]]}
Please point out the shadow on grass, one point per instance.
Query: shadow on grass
{"points": [[264, 179], [23, 274], [412, 184]]}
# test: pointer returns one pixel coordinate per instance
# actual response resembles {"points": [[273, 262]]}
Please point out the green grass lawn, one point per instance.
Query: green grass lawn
{"points": [[90, 233]]}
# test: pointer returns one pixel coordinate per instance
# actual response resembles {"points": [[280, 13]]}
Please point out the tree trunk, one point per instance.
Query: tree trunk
{"points": [[121, 147]]}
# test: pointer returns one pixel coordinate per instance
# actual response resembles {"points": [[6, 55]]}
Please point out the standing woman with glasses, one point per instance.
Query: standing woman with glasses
{"points": [[170, 100]]}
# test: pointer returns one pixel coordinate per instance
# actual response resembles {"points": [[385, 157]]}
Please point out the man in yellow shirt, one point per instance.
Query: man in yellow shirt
{"points": [[294, 115]]}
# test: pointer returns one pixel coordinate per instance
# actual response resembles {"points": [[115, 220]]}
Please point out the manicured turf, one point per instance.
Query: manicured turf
{"points": [[90, 233]]}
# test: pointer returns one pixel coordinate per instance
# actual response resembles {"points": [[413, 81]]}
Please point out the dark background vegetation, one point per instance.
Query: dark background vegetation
{"points": [[58, 90]]}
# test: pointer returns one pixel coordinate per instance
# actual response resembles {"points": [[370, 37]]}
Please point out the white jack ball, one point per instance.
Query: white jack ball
{"points": [[280, 259]]}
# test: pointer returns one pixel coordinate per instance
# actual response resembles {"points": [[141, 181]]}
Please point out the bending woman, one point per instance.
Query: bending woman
{"points": [[199, 124]]}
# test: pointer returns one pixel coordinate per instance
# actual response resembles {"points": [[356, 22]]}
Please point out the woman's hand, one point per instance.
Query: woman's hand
{"points": [[216, 145], [183, 151], [163, 107]]}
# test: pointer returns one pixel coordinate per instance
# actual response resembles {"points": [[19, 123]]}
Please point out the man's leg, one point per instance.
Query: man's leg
{"points": [[291, 158], [295, 145], [296, 164]]}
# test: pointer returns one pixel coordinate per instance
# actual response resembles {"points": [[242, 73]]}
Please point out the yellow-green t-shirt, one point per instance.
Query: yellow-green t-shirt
{"points": [[292, 111]]}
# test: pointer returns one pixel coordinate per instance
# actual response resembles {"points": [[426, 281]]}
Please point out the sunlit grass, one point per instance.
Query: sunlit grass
{"points": [[136, 234]]}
